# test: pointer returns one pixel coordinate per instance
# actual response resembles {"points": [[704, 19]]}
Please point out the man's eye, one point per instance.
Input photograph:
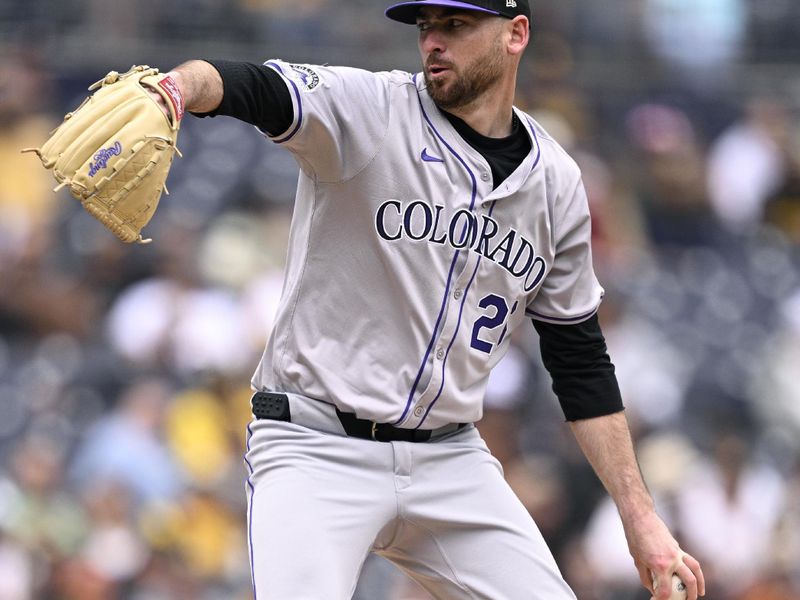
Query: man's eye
{"points": [[422, 26], [455, 23]]}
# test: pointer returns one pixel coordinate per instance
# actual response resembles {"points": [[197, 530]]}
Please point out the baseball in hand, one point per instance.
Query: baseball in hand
{"points": [[678, 588]]}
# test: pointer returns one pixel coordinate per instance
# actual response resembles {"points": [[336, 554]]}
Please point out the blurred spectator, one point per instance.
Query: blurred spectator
{"points": [[73, 579], [748, 163], [38, 512], [187, 317], [28, 211], [162, 323], [126, 446], [110, 556], [729, 507], [113, 550], [671, 177], [173, 322], [27, 208], [199, 429], [210, 539]]}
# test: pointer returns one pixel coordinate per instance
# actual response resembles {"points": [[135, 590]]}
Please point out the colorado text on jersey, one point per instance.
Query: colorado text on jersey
{"points": [[419, 221]]}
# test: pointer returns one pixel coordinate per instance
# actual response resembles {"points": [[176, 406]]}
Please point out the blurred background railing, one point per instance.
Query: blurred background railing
{"points": [[124, 370]]}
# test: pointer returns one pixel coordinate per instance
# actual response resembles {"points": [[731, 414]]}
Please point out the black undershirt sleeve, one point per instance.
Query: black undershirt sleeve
{"points": [[583, 374], [255, 94]]}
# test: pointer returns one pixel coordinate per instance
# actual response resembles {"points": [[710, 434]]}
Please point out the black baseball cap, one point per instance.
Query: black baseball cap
{"points": [[406, 12]]}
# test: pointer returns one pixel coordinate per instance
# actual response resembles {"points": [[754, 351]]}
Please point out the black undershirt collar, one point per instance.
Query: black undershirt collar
{"points": [[504, 155]]}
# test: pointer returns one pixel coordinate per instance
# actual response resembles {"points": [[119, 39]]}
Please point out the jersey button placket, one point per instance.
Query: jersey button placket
{"points": [[435, 387]]}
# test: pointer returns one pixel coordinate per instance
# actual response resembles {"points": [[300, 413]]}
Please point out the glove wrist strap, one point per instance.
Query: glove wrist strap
{"points": [[173, 92]]}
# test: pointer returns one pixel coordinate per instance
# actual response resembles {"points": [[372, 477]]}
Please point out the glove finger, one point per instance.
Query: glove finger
{"points": [[104, 101], [137, 135], [94, 151]]}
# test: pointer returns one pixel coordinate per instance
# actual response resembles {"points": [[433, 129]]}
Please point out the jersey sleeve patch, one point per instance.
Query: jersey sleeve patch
{"points": [[306, 78]]}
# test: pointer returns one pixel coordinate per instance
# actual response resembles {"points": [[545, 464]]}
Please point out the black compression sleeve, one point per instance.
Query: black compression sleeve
{"points": [[255, 94], [583, 374]]}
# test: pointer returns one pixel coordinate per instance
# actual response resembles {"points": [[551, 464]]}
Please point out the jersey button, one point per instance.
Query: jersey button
{"points": [[419, 411], [485, 176], [440, 353], [457, 294]]}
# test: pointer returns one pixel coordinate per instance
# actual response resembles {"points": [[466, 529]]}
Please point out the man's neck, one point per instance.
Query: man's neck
{"points": [[490, 115]]}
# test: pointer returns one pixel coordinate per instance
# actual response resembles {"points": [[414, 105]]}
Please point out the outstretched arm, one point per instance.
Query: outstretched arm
{"points": [[252, 93], [606, 442]]}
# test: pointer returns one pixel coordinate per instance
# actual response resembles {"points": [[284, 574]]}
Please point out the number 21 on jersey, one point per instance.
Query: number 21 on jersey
{"points": [[496, 313]]}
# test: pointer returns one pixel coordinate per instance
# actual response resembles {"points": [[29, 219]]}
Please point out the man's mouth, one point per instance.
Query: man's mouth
{"points": [[436, 70]]}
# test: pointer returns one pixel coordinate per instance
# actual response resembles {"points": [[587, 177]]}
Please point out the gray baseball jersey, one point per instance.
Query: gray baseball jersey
{"points": [[406, 271]]}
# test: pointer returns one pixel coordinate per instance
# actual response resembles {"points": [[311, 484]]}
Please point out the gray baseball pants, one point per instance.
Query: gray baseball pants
{"points": [[319, 502]]}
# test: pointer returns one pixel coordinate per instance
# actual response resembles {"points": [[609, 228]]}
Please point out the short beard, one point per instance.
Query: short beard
{"points": [[477, 77]]}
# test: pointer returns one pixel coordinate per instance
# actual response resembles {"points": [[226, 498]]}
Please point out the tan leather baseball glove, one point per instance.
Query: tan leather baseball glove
{"points": [[115, 150]]}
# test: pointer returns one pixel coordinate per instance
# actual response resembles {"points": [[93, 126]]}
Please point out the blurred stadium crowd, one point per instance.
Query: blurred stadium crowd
{"points": [[124, 370]]}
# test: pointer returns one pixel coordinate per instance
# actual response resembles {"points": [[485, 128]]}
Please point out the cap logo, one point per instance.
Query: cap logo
{"points": [[511, 3]]}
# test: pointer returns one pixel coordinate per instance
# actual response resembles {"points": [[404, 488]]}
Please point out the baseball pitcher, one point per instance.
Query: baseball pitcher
{"points": [[432, 218]]}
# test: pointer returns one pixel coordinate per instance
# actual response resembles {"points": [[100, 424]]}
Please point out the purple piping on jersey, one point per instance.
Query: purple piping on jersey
{"points": [[536, 139], [277, 67], [430, 344], [250, 511], [452, 265], [455, 333]]}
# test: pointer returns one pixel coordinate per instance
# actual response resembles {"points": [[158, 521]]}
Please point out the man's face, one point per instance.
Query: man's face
{"points": [[462, 54]]}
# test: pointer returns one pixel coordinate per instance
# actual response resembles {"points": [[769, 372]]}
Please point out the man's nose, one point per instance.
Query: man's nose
{"points": [[432, 41]]}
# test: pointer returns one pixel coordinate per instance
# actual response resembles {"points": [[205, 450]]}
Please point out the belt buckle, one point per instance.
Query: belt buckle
{"points": [[374, 431]]}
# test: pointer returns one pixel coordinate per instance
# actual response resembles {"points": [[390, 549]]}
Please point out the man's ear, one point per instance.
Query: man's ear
{"points": [[520, 34]]}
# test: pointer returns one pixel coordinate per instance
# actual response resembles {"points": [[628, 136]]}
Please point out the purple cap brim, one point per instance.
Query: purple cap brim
{"points": [[406, 12]]}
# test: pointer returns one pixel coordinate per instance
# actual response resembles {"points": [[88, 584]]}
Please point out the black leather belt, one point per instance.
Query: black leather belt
{"points": [[275, 406]]}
